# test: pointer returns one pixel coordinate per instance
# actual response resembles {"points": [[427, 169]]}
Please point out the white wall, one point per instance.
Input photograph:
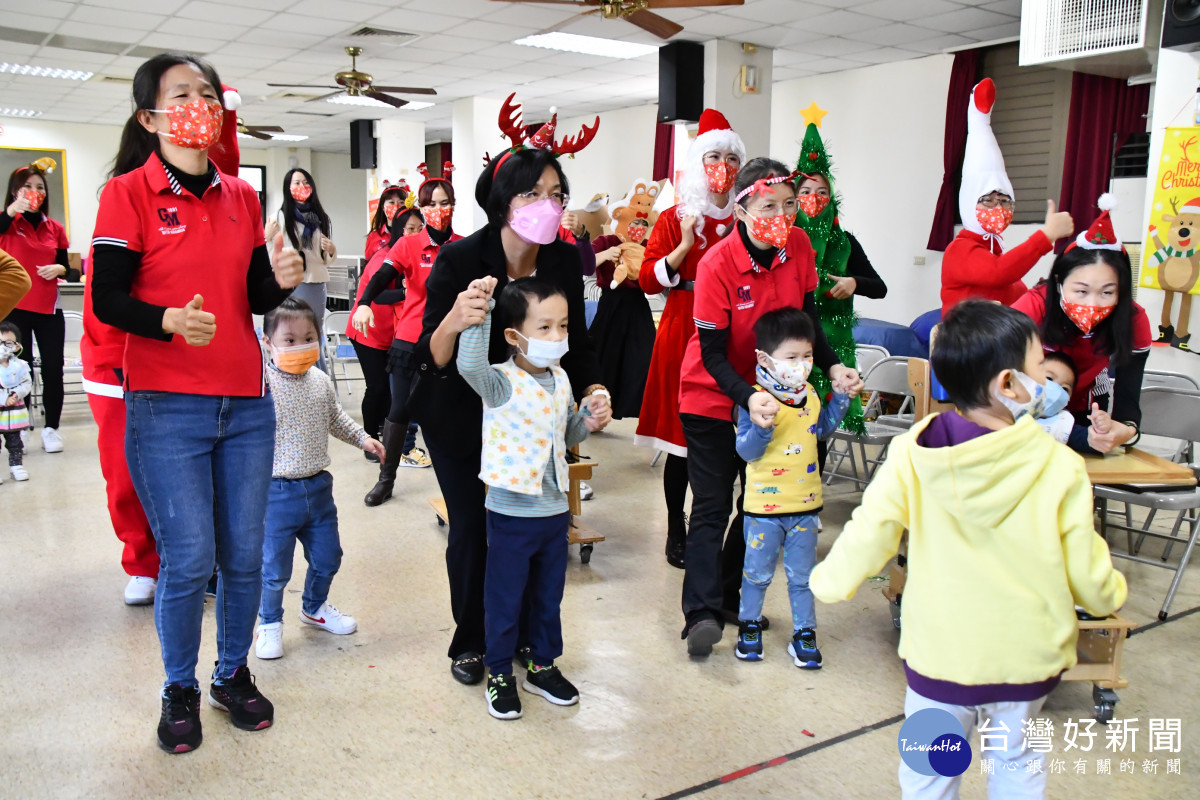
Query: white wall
{"points": [[344, 199], [622, 152], [89, 149]]}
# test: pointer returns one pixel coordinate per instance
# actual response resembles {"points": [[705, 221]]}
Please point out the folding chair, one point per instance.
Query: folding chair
{"points": [[72, 358], [1171, 413], [338, 349], [889, 376], [868, 355]]}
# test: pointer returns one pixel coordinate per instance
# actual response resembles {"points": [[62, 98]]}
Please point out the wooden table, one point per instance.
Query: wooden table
{"points": [[1133, 466]]}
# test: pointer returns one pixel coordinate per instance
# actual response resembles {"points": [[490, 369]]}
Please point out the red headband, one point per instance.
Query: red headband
{"points": [[765, 185]]}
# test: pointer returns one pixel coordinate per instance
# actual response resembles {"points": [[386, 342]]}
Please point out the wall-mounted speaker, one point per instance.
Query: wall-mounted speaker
{"points": [[1181, 24], [680, 82], [362, 144]]}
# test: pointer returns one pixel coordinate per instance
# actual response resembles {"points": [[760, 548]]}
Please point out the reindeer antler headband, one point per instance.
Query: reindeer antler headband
{"points": [[542, 139]]}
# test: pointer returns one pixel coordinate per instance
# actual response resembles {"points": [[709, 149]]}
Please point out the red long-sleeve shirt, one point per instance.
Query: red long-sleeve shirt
{"points": [[971, 270]]}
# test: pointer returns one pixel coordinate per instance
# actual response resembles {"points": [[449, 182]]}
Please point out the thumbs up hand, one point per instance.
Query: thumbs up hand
{"points": [[192, 322], [287, 264], [1058, 223]]}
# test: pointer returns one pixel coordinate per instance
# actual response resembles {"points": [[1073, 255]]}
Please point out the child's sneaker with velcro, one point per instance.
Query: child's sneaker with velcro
{"points": [[550, 684], [749, 646], [502, 698], [803, 649]]}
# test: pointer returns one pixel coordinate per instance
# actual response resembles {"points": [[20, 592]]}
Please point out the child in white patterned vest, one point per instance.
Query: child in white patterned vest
{"points": [[529, 421], [783, 482], [16, 382]]}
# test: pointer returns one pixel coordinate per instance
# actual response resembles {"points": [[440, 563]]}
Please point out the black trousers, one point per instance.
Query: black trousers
{"points": [[712, 578], [403, 374], [377, 397], [456, 465], [51, 331]]}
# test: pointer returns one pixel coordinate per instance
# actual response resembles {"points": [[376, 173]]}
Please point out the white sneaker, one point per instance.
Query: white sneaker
{"points": [[330, 619], [52, 442], [140, 591], [585, 491], [268, 641], [19, 472]]}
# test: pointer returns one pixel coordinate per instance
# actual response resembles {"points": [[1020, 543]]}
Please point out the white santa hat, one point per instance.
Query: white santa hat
{"points": [[983, 165]]}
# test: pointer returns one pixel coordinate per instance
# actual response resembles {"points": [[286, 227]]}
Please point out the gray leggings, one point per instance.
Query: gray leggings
{"points": [[314, 295]]}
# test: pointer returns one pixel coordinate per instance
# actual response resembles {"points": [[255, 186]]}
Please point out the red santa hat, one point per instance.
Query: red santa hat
{"points": [[715, 133], [1190, 207], [227, 155], [1100, 234]]}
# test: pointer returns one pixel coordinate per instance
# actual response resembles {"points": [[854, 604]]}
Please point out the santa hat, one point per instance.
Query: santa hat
{"points": [[543, 138], [1100, 234], [983, 165], [1190, 207], [715, 133], [227, 154]]}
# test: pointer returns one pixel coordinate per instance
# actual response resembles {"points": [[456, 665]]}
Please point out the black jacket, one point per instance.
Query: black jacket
{"points": [[442, 402]]}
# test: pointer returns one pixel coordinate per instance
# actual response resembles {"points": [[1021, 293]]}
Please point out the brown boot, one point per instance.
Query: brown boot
{"points": [[393, 443]]}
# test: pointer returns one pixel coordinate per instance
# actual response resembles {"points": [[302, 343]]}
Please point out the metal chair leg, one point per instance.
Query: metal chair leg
{"points": [[657, 455], [1137, 546], [1183, 562]]}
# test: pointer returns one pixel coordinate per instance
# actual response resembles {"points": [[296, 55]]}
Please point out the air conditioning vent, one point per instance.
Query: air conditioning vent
{"points": [[392, 37], [1054, 30]]}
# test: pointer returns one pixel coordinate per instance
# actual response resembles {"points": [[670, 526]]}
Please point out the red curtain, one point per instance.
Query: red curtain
{"points": [[1104, 113], [963, 77], [664, 152]]}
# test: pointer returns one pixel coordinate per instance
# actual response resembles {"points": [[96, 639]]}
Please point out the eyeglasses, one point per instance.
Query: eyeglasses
{"points": [[533, 197], [993, 201], [789, 209]]}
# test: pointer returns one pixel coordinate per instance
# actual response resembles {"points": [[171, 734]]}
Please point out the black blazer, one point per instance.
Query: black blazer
{"points": [[442, 402]]}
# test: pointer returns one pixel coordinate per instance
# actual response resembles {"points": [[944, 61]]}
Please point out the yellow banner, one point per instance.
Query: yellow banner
{"points": [[1171, 255]]}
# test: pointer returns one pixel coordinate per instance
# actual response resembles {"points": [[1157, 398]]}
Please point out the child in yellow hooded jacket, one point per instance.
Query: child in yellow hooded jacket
{"points": [[999, 520]]}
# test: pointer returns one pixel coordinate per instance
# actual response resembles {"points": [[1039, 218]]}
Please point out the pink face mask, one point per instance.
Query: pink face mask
{"points": [[537, 223]]}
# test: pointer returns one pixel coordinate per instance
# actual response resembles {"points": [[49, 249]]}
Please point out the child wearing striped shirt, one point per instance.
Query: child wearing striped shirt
{"points": [[529, 421], [300, 502]]}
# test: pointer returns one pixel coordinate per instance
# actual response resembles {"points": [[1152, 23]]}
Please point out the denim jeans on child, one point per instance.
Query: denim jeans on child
{"points": [[201, 466], [303, 510], [526, 565], [796, 534]]}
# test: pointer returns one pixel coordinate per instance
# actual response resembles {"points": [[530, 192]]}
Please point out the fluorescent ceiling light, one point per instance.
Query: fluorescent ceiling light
{"points": [[45, 72], [589, 45], [356, 100], [288, 137], [19, 112]]}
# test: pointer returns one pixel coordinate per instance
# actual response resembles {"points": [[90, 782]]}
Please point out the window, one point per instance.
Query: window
{"points": [[1030, 122]]}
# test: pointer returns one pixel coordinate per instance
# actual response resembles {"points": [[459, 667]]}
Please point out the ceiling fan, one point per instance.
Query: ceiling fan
{"points": [[358, 84], [639, 12], [258, 131]]}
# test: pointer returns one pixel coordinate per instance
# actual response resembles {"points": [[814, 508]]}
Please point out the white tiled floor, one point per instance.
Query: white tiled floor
{"points": [[376, 714]]}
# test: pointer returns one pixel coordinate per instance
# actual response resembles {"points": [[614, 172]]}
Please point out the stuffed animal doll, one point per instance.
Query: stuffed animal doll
{"points": [[633, 217]]}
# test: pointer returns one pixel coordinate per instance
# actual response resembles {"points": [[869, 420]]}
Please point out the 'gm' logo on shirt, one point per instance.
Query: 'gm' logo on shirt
{"points": [[171, 224], [744, 299]]}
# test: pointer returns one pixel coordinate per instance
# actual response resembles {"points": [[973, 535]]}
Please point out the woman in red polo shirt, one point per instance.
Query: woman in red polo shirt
{"points": [[412, 257], [767, 264], [180, 265], [30, 236], [681, 236], [391, 203]]}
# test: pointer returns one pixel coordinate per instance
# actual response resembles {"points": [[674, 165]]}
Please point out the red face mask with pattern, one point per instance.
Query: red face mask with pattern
{"points": [[772, 230], [1085, 317], [994, 220], [301, 193], [195, 125], [720, 176], [635, 232], [34, 198], [812, 204], [389, 212], [438, 216]]}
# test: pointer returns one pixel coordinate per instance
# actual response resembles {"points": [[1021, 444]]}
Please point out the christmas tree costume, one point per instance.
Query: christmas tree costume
{"points": [[832, 247]]}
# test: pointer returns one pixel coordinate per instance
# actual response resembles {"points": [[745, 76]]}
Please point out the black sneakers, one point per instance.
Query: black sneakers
{"points": [[550, 684], [179, 726], [502, 699], [238, 695]]}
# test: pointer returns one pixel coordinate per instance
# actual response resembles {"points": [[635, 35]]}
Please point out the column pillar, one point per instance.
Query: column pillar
{"points": [[749, 114], [475, 131]]}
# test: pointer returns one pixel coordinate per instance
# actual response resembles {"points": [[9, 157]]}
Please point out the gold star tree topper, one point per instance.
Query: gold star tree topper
{"points": [[813, 114]]}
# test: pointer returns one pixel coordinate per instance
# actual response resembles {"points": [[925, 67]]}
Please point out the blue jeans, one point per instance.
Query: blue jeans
{"points": [[523, 584], [796, 535], [201, 466], [299, 509]]}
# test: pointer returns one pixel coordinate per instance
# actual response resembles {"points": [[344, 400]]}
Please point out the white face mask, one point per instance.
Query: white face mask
{"points": [[543, 353], [793, 374], [1036, 404]]}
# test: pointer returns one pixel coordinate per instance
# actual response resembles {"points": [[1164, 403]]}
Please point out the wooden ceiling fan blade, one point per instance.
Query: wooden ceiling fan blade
{"points": [[255, 134], [395, 102], [694, 3], [403, 89], [302, 86], [265, 128], [648, 21]]}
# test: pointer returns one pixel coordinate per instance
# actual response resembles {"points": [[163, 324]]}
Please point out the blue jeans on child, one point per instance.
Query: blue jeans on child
{"points": [[201, 465], [526, 563], [303, 510], [796, 535]]}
